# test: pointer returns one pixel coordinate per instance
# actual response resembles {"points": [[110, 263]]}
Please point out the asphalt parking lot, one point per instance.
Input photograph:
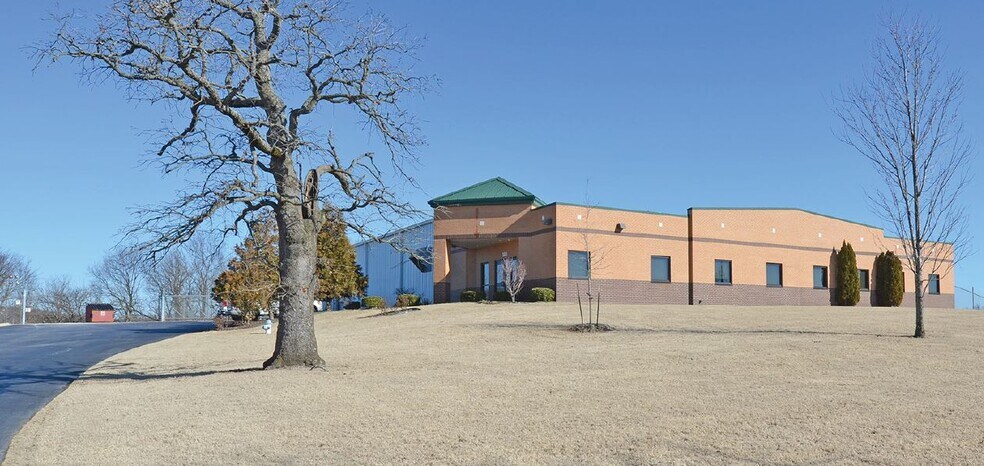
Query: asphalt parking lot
{"points": [[37, 362]]}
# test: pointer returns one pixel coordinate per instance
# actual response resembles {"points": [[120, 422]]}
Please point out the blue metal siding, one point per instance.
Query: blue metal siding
{"points": [[390, 268]]}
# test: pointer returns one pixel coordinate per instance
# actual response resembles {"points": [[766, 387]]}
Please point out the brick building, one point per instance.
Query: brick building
{"points": [[706, 256]]}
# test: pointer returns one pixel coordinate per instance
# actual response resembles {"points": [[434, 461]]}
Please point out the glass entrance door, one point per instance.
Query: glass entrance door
{"points": [[486, 280]]}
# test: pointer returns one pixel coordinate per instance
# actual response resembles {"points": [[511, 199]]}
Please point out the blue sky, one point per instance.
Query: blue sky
{"points": [[662, 106]]}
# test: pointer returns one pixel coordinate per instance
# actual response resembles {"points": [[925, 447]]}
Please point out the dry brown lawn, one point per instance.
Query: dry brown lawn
{"points": [[507, 384]]}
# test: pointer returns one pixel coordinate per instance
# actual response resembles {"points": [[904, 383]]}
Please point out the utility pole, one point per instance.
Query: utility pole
{"points": [[24, 307], [23, 300]]}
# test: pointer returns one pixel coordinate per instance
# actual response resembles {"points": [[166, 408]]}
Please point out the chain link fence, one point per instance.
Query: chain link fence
{"points": [[969, 298], [187, 307]]}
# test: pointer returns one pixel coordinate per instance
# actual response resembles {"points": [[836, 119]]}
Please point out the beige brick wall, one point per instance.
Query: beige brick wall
{"points": [[541, 237], [486, 220], [798, 240], [477, 234], [626, 255]]}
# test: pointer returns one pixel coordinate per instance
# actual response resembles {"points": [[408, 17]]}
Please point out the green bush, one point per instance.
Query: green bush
{"points": [[407, 300], [542, 295], [373, 302], [889, 285], [471, 296], [502, 296], [353, 305], [848, 282]]}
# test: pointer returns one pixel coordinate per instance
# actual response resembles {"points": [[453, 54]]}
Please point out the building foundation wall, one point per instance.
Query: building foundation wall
{"points": [[624, 291]]}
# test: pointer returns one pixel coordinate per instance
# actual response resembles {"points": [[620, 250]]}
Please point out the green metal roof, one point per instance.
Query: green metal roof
{"points": [[489, 192]]}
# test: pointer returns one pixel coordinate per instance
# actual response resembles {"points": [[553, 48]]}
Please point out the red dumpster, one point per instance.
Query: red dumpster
{"points": [[99, 313]]}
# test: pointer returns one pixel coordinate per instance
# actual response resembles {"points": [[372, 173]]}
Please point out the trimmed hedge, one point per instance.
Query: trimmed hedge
{"points": [[353, 305], [542, 295], [373, 302], [407, 300], [889, 284], [471, 296], [502, 296], [848, 282]]}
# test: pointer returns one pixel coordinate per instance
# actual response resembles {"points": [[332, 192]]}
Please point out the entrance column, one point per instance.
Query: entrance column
{"points": [[442, 271]]}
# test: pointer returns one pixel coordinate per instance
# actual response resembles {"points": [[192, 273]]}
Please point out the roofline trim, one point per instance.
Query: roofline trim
{"points": [[790, 208], [394, 232], [500, 201], [651, 212]]}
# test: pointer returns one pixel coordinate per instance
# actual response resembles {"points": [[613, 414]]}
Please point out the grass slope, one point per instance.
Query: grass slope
{"points": [[472, 383]]}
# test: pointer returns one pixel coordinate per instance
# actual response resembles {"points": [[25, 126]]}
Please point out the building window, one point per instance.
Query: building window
{"points": [[773, 274], [819, 276], [500, 279], [722, 272], [934, 283], [660, 269], [486, 279], [578, 264], [863, 278], [423, 259]]}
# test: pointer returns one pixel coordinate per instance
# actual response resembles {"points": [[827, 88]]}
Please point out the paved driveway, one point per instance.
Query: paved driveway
{"points": [[37, 362]]}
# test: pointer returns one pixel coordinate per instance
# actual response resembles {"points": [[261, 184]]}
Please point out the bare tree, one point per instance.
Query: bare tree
{"points": [[513, 276], [597, 261], [904, 119], [58, 300], [16, 274], [206, 260], [119, 279], [250, 75], [169, 280]]}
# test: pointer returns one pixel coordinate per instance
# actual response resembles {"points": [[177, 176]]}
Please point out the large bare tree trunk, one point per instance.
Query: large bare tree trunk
{"points": [[296, 341], [297, 229]]}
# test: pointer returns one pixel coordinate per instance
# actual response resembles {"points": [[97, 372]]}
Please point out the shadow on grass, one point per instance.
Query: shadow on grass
{"points": [[124, 371], [392, 312], [700, 331]]}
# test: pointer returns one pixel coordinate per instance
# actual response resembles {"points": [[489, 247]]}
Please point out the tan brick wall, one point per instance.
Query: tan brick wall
{"points": [[798, 240], [621, 260], [460, 263], [478, 234], [477, 221], [626, 255]]}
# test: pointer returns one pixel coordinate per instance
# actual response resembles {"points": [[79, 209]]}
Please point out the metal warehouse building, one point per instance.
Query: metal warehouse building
{"points": [[400, 261]]}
